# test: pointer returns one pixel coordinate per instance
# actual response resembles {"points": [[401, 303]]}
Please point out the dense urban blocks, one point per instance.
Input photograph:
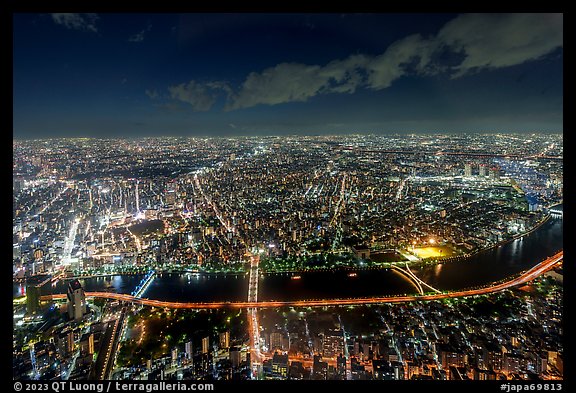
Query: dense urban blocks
{"points": [[343, 196], [112, 216]]}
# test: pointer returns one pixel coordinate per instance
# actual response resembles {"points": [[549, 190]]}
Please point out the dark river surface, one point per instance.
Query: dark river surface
{"points": [[498, 263], [479, 269]]}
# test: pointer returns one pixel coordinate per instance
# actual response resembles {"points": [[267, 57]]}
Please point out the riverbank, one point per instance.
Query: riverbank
{"points": [[414, 263], [201, 272], [348, 268], [105, 275], [489, 266], [505, 241]]}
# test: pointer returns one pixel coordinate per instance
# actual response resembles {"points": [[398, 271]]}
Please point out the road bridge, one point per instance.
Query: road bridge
{"points": [[526, 276]]}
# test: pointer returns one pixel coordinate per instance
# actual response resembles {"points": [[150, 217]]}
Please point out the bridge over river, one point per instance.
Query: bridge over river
{"points": [[526, 276]]}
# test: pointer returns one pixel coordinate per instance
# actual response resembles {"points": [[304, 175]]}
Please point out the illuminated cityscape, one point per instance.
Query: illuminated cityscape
{"points": [[295, 210], [292, 221]]}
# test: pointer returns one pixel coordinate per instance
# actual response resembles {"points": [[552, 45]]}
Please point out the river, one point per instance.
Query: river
{"points": [[479, 269]]}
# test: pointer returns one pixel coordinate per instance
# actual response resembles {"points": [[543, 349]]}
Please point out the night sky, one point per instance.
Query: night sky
{"points": [[91, 75]]}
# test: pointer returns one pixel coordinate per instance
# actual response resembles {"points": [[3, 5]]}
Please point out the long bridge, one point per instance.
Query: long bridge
{"points": [[144, 283], [406, 272], [526, 276], [253, 322]]}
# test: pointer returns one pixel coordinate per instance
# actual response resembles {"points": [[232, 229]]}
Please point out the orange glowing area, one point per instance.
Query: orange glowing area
{"points": [[433, 251]]}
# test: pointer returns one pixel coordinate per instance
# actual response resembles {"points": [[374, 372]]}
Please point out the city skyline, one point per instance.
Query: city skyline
{"points": [[218, 196], [419, 257], [103, 75]]}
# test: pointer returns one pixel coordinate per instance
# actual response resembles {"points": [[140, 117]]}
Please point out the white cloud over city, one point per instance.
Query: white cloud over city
{"points": [[76, 21], [480, 42]]}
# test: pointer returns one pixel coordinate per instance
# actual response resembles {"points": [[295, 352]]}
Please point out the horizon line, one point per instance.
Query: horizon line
{"points": [[391, 133]]}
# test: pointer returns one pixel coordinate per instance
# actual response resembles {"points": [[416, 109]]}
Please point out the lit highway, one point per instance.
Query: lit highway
{"points": [[136, 240], [69, 243], [105, 361], [229, 228], [49, 204], [341, 201], [253, 323], [106, 351], [528, 275]]}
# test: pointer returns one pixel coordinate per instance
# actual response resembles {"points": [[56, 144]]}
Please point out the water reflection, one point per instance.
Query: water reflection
{"points": [[496, 264], [438, 269]]}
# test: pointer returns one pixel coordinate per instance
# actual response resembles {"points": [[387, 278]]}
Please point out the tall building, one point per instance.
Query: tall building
{"points": [[32, 299], [494, 173], [296, 370], [333, 344], [512, 363], [188, 348], [493, 357], [280, 364], [76, 300], [468, 170], [319, 368], [203, 364], [87, 344], [206, 344], [225, 340], [66, 343], [276, 341], [449, 356], [17, 185], [398, 370], [542, 363], [174, 356], [482, 170], [235, 357], [341, 365]]}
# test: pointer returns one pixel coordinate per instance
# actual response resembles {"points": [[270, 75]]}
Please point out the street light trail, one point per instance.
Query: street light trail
{"points": [[69, 243], [253, 323]]}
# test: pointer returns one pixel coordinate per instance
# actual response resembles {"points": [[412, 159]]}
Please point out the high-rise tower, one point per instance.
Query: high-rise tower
{"points": [[76, 300]]}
